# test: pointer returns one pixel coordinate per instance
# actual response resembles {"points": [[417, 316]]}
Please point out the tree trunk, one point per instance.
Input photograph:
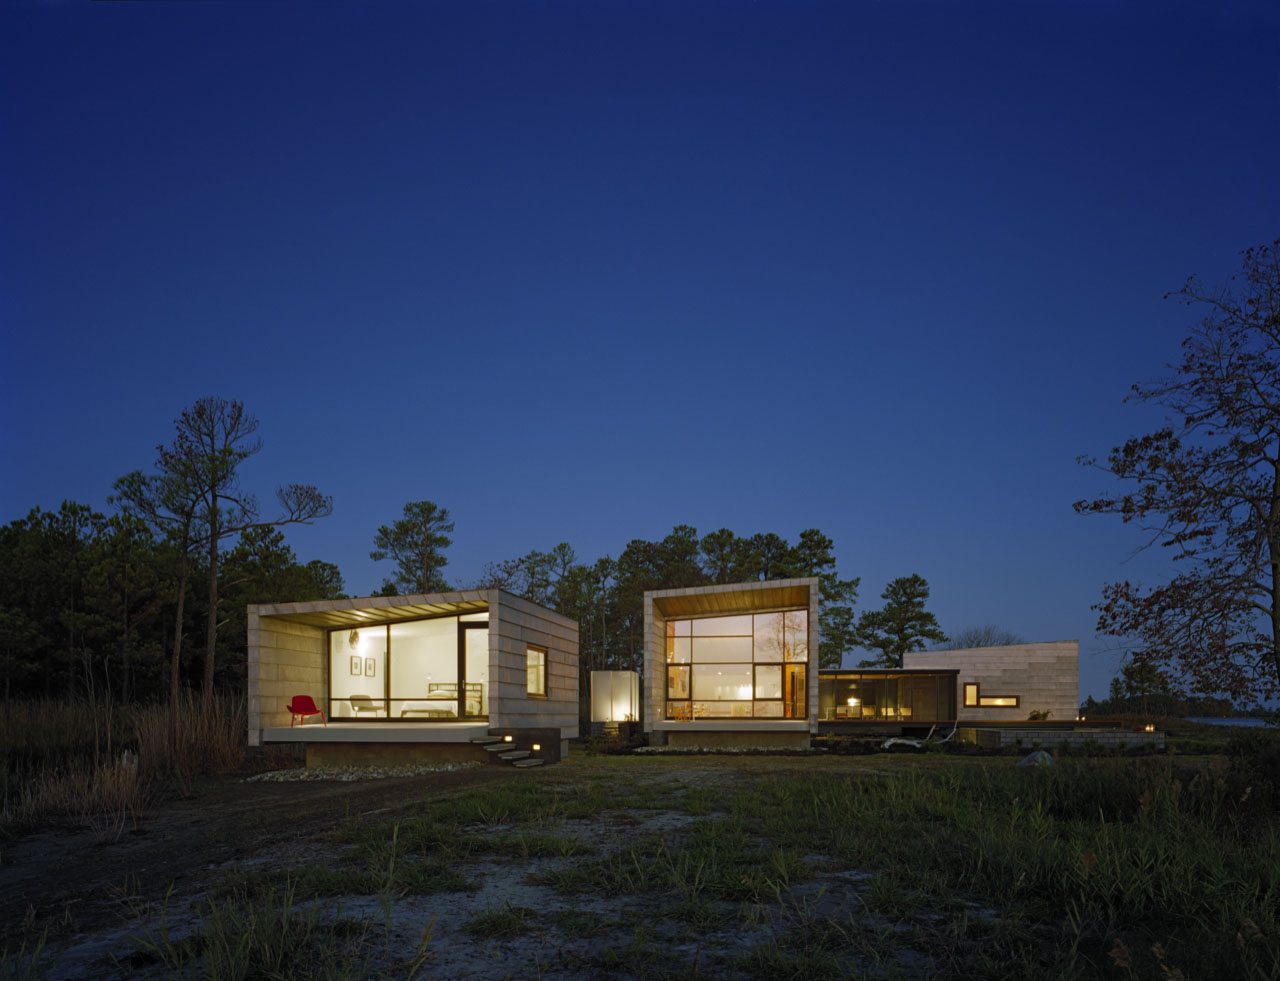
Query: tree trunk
{"points": [[175, 663], [211, 627], [1273, 566]]}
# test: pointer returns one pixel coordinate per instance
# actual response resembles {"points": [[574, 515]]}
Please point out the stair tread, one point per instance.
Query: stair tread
{"points": [[515, 754], [529, 762], [485, 740]]}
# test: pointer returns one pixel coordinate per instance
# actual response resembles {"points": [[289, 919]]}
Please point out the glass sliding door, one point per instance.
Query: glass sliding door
{"points": [[424, 669], [475, 664]]}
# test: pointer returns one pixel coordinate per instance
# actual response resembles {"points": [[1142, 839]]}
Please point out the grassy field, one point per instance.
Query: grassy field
{"points": [[649, 866], [768, 867]]}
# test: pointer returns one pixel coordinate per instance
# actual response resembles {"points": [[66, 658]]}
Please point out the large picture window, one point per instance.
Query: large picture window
{"points": [[418, 670], [738, 667]]}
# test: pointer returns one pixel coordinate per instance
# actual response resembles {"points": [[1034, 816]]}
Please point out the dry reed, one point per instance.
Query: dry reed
{"points": [[98, 765]]}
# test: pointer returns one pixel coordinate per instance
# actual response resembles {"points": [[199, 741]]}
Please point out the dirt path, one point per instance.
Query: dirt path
{"points": [[66, 881]]}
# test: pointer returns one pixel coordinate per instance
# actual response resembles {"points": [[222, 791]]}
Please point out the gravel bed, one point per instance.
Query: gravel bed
{"points": [[350, 773]]}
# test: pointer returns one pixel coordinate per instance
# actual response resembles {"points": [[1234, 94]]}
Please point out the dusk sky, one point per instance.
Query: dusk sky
{"points": [[585, 271]]}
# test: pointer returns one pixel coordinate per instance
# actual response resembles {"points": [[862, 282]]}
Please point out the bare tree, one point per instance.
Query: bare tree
{"points": [[215, 436], [985, 635], [1206, 486]]}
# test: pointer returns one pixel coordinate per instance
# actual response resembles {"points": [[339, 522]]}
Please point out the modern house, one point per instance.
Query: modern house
{"points": [[737, 665], [978, 685], [413, 677], [732, 665]]}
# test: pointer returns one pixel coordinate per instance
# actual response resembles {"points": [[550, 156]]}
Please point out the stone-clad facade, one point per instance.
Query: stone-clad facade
{"points": [[1042, 677]]}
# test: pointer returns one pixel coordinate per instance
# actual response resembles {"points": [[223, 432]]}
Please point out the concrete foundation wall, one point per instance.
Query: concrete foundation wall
{"points": [[514, 624], [392, 754], [1044, 677], [284, 659]]}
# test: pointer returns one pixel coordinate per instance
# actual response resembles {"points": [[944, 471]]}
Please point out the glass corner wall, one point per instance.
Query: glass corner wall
{"points": [[744, 666]]}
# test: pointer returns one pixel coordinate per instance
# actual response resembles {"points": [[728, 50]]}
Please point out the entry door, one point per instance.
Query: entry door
{"points": [[473, 668]]}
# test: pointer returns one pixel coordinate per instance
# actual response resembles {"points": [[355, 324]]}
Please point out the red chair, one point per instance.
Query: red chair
{"points": [[301, 707]]}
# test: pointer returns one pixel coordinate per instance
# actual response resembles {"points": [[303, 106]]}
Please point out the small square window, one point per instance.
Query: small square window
{"points": [[970, 695], [536, 668]]}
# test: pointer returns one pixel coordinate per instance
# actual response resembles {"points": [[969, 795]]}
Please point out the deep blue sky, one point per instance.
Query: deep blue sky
{"points": [[581, 271]]}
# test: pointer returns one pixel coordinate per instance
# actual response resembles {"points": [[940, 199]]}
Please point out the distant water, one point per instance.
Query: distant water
{"points": [[1230, 722]]}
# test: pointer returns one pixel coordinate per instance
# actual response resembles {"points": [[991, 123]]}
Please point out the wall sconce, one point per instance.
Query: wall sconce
{"points": [[506, 739], [537, 746]]}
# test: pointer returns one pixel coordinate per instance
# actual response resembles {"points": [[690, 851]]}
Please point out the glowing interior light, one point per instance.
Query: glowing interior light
{"points": [[853, 702]]}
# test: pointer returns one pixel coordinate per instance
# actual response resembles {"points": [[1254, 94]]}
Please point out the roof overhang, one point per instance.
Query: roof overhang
{"points": [[735, 598], [331, 614]]}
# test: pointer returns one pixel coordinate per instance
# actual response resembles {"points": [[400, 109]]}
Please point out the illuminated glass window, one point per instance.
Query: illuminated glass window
{"points": [[739, 666], [973, 698], [536, 670]]}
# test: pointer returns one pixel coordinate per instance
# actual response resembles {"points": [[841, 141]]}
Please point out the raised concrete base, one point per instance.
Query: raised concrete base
{"points": [[378, 732], [712, 739], [392, 754]]}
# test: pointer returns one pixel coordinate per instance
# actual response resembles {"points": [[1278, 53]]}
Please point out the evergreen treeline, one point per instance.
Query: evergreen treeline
{"points": [[88, 603], [152, 598]]}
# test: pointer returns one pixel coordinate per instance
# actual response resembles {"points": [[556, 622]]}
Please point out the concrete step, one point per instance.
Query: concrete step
{"points": [[499, 747], [515, 754], [485, 740], [534, 761]]}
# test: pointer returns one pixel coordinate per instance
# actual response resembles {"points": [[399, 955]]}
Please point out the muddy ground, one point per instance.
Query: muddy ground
{"points": [[98, 904], [69, 885]]}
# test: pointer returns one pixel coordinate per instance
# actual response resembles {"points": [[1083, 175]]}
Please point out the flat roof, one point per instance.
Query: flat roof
{"points": [[886, 672], [738, 597], [357, 611]]}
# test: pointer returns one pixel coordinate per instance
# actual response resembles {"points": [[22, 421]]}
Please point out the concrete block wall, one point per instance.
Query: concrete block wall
{"points": [[285, 659], [1044, 676], [654, 678], [515, 623]]}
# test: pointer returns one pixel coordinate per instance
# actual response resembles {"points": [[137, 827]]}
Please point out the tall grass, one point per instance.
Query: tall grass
{"points": [[1161, 867], [99, 765]]}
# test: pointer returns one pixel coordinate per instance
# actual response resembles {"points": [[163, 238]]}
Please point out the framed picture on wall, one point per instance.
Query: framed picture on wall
{"points": [[356, 663], [370, 667]]}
